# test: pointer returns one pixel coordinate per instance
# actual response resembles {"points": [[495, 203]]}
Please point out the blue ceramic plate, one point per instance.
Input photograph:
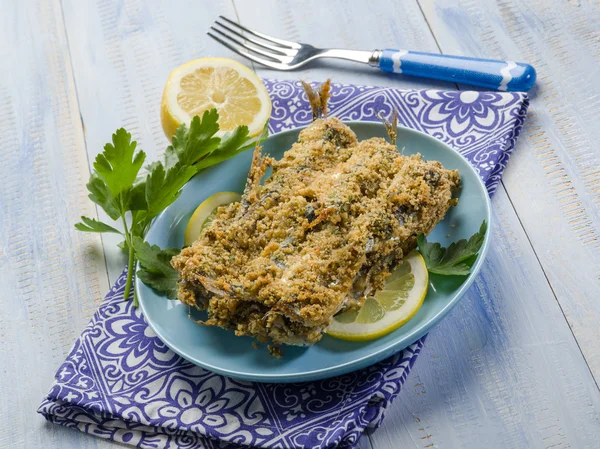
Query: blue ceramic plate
{"points": [[221, 351]]}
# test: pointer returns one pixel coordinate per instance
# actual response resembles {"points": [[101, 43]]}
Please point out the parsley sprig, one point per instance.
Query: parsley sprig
{"points": [[457, 259], [155, 267], [117, 186]]}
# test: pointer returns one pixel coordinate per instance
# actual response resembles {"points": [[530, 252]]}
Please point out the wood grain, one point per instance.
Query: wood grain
{"points": [[52, 276], [554, 180], [504, 370]]}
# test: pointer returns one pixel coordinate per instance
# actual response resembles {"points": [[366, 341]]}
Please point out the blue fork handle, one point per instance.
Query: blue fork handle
{"points": [[489, 73]]}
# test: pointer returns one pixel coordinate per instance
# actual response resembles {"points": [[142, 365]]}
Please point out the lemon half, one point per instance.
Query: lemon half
{"points": [[202, 84], [402, 297], [205, 213]]}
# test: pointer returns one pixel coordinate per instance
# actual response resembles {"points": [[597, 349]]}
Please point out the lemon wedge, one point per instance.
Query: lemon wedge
{"points": [[402, 297], [205, 213], [202, 84]]}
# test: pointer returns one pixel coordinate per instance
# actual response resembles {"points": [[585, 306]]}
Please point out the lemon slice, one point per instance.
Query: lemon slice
{"points": [[236, 91], [205, 213], [390, 308]]}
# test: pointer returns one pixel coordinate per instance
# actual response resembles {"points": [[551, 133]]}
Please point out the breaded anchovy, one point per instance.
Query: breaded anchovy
{"points": [[321, 234]]}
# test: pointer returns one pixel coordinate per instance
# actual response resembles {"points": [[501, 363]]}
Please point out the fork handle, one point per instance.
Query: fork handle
{"points": [[489, 73]]}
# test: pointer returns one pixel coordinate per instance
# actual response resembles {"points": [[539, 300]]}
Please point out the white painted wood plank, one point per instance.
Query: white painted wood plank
{"points": [[503, 370], [553, 179], [52, 276]]}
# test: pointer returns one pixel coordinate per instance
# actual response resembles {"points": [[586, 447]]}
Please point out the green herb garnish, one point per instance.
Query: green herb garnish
{"points": [[457, 259], [155, 267], [118, 188]]}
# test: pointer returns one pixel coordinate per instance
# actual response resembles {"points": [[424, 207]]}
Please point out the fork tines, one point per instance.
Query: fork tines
{"points": [[256, 46]]}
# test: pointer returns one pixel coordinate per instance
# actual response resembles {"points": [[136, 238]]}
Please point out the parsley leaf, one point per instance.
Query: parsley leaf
{"points": [[137, 194], [100, 195], [457, 259], [92, 225], [162, 188], [155, 267], [232, 141], [193, 143], [230, 146], [117, 166]]}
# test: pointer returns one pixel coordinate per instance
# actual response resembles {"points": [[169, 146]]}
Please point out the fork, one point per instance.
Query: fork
{"points": [[280, 54]]}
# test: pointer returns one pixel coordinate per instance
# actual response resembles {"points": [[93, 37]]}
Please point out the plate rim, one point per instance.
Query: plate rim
{"points": [[392, 348]]}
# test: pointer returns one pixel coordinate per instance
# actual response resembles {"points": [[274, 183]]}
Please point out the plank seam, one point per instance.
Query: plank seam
{"points": [[87, 157]]}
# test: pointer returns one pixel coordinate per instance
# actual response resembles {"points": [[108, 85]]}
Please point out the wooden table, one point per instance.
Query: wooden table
{"points": [[517, 362]]}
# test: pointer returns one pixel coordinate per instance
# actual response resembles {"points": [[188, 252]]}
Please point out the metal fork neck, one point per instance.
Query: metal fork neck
{"points": [[366, 57], [374, 58]]}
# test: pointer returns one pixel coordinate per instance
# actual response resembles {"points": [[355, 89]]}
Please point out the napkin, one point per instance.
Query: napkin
{"points": [[121, 382]]}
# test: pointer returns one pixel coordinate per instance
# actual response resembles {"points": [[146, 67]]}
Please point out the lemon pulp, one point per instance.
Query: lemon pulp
{"points": [[233, 89]]}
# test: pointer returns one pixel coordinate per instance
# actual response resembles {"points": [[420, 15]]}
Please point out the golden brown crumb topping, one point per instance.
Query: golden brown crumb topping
{"points": [[320, 234]]}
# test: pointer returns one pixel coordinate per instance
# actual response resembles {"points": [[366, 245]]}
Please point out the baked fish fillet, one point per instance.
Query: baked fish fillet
{"points": [[321, 233]]}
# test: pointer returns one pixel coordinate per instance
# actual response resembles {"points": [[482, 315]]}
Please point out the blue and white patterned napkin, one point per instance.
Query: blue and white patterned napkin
{"points": [[122, 383]]}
